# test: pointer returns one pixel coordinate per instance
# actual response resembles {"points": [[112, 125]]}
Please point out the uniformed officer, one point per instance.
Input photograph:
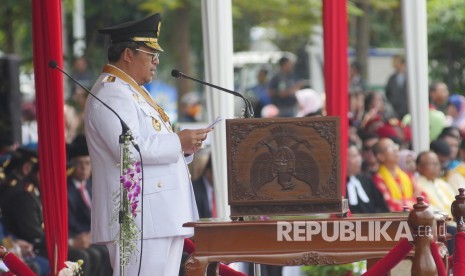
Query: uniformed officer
{"points": [[22, 209], [168, 198], [20, 190]]}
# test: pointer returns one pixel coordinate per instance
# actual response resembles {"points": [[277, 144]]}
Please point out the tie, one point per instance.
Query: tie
{"points": [[214, 214], [85, 194]]}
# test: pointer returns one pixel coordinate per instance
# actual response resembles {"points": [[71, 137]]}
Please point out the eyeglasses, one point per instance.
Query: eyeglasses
{"points": [[155, 55]]}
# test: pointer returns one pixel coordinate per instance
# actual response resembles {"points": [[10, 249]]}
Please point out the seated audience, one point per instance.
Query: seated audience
{"points": [[438, 192], [369, 162], [22, 208], [362, 194], [396, 131], [25, 252], [451, 136], [456, 177], [456, 111], [396, 186], [79, 206], [407, 161], [442, 149]]}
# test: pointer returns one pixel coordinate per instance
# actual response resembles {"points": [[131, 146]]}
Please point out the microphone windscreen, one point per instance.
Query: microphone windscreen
{"points": [[53, 64], [175, 73]]}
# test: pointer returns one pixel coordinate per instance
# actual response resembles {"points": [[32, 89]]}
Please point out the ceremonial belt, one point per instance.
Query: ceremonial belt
{"points": [[125, 77]]}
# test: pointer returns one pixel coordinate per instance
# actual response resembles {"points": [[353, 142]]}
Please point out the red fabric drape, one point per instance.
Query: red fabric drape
{"points": [[47, 43], [389, 261], [438, 259], [16, 266], [336, 71], [189, 248], [459, 256]]}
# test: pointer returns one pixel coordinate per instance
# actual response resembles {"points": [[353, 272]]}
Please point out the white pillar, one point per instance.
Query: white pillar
{"points": [[416, 45], [218, 52], [79, 29]]}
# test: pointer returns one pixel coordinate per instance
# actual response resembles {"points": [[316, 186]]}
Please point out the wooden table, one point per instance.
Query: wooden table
{"points": [[256, 241]]}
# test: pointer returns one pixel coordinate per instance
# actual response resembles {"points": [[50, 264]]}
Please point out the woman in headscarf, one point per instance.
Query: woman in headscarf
{"points": [[310, 103], [456, 111], [407, 161]]}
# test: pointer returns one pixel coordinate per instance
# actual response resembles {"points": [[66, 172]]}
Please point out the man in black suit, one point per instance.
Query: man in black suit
{"points": [[79, 206], [362, 193]]}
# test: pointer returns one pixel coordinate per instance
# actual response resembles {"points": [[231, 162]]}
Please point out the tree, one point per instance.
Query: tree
{"points": [[446, 45], [15, 28], [292, 20]]}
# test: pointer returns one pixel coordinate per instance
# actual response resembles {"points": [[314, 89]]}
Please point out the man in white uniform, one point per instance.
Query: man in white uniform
{"points": [[168, 198]]}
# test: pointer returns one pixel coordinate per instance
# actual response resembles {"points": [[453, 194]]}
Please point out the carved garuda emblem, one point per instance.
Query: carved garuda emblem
{"points": [[287, 159]]}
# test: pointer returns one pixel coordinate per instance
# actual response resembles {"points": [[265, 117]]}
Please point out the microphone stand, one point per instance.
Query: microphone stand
{"points": [[248, 111], [125, 134]]}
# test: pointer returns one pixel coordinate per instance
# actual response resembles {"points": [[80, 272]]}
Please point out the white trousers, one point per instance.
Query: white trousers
{"points": [[161, 257]]}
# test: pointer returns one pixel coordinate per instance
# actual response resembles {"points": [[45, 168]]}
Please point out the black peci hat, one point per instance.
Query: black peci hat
{"points": [[78, 147], [145, 31]]}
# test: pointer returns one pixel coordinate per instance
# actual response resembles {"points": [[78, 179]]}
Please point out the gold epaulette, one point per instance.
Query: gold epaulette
{"points": [[29, 187], [109, 79], [70, 171], [13, 182]]}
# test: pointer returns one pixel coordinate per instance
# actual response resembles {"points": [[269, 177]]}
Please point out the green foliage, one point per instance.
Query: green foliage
{"points": [[354, 269], [385, 4], [292, 19], [15, 26], [446, 45]]}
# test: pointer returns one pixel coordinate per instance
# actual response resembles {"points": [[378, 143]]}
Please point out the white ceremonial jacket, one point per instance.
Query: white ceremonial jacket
{"points": [[168, 199]]}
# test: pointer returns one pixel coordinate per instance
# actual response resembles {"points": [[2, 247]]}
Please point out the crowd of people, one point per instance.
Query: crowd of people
{"points": [[383, 173], [390, 174], [22, 225]]}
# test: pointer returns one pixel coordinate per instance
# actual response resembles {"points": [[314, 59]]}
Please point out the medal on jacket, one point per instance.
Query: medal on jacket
{"points": [[156, 124]]}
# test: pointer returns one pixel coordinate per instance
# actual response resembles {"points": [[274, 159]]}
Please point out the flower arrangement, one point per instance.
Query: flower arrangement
{"points": [[125, 211], [72, 269]]}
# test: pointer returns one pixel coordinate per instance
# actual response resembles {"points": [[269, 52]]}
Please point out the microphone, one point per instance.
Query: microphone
{"points": [[248, 112], [53, 64]]}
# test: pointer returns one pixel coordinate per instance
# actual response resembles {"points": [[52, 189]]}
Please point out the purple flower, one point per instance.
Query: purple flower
{"points": [[130, 172], [132, 184]]}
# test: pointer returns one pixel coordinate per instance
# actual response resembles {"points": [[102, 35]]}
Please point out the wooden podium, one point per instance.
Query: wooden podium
{"points": [[257, 242], [284, 166], [287, 170]]}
